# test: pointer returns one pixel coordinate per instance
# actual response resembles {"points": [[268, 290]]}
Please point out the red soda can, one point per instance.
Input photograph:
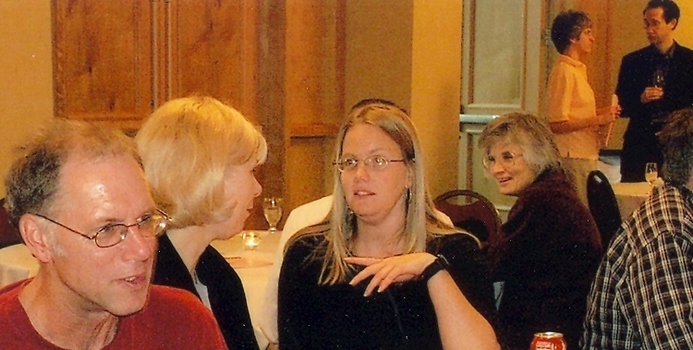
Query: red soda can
{"points": [[548, 341]]}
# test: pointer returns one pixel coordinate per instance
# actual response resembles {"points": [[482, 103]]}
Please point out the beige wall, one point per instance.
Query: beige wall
{"points": [[26, 99], [435, 90], [378, 56], [408, 51], [684, 32]]}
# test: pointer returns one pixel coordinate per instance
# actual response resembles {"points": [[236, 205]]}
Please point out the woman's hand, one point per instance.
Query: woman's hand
{"points": [[608, 115], [397, 269]]}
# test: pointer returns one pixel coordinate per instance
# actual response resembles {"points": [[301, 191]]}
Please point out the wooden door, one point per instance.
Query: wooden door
{"points": [[102, 60], [117, 61], [279, 62], [210, 50]]}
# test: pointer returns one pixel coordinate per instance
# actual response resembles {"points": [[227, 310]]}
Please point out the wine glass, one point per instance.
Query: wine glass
{"points": [[651, 173], [658, 78], [251, 240], [272, 208]]}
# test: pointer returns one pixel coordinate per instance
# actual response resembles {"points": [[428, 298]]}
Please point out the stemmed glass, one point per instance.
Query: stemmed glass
{"points": [[658, 78], [272, 208], [651, 173]]}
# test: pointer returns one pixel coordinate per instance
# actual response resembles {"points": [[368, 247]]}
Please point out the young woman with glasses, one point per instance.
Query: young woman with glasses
{"points": [[385, 271]]}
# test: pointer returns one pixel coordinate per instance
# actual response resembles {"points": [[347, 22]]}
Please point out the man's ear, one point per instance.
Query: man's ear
{"points": [[35, 237], [674, 22]]}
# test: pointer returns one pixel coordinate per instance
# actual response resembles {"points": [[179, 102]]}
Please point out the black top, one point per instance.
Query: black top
{"points": [[226, 294], [640, 144], [547, 257], [313, 316]]}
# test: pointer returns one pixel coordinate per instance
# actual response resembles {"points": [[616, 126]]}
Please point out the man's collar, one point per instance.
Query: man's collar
{"points": [[669, 53]]}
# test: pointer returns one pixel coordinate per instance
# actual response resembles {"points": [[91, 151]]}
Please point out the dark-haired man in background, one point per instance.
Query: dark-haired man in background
{"points": [[648, 101]]}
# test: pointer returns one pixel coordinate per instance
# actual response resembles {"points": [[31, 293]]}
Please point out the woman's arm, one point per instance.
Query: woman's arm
{"points": [[561, 91], [604, 116], [461, 326]]}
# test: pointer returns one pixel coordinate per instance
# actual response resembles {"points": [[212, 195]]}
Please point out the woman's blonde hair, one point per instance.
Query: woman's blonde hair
{"points": [[186, 145], [421, 218]]}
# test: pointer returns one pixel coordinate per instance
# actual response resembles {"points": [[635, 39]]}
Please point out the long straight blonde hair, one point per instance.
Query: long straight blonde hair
{"points": [[421, 220]]}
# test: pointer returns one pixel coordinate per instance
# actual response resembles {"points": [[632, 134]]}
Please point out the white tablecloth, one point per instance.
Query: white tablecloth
{"points": [[629, 196], [253, 266], [255, 276]]}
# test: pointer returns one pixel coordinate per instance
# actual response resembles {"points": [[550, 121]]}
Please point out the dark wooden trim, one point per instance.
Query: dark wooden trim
{"points": [[312, 130]]}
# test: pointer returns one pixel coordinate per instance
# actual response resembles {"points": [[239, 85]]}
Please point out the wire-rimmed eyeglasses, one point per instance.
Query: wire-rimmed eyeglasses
{"points": [[507, 159], [150, 225], [376, 162]]}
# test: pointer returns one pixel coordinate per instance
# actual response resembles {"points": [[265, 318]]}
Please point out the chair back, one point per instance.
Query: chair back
{"points": [[8, 234], [603, 205], [472, 212]]}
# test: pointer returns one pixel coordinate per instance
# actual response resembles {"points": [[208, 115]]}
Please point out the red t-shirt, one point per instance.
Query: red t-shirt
{"points": [[171, 319]]}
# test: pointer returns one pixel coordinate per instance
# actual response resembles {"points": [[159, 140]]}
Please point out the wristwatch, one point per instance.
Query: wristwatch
{"points": [[440, 263]]}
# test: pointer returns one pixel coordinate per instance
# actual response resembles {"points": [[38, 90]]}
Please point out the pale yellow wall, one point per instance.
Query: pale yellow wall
{"points": [[26, 97], [435, 90], [378, 50], [408, 51], [684, 32]]}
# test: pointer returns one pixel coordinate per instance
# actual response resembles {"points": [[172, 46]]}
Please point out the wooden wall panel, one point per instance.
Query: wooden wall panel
{"points": [[310, 171], [207, 50], [103, 69], [115, 62], [313, 93]]}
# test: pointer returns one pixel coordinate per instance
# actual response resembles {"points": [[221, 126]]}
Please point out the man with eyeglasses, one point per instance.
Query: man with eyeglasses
{"points": [[79, 198]]}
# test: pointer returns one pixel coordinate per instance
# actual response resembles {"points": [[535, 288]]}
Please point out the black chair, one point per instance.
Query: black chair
{"points": [[603, 205], [8, 234], [472, 212]]}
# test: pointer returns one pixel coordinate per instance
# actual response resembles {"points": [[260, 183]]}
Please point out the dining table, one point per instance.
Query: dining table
{"points": [[252, 262], [630, 195]]}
